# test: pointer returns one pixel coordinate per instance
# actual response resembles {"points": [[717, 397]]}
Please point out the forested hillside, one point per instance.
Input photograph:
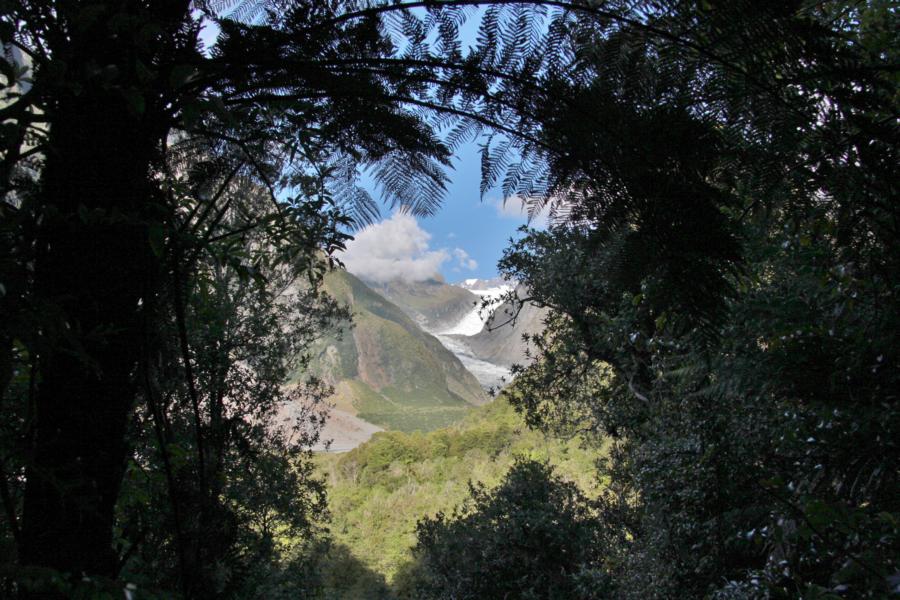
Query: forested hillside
{"points": [[379, 491]]}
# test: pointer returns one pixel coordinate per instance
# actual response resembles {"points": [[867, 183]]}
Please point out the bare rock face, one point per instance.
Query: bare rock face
{"points": [[501, 341], [433, 304]]}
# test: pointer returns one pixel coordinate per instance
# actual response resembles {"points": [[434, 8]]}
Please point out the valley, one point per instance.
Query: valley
{"points": [[381, 489], [405, 362], [418, 416]]}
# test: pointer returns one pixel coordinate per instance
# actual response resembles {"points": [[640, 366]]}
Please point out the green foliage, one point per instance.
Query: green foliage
{"points": [[344, 577], [401, 418], [723, 286], [378, 491], [122, 140], [723, 280], [535, 536], [220, 486]]}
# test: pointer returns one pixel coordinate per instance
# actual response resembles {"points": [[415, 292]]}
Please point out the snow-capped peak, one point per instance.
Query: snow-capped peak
{"points": [[476, 285], [492, 290]]}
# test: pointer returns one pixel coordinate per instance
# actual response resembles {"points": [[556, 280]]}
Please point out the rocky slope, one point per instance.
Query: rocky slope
{"points": [[500, 340], [433, 304]]}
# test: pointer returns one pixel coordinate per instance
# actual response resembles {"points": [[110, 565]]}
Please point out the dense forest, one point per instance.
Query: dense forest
{"points": [[379, 491], [710, 412]]}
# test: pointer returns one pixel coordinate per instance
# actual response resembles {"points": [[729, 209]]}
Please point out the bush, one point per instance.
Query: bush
{"points": [[535, 536]]}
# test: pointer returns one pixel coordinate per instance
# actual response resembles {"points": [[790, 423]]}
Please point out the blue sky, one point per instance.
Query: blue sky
{"points": [[480, 228], [468, 232], [464, 239]]}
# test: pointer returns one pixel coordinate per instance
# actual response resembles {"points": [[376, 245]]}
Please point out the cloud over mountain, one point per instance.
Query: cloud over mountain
{"points": [[397, 248], [463, 260]]}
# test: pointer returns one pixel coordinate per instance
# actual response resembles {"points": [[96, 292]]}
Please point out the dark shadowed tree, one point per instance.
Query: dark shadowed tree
{"points": [[121, 135], [723, 283], [535, 536], [220, 500]]}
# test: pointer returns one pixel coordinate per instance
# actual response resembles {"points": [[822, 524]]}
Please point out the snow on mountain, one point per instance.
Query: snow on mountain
{"points": [[500, 345], [488, 374], [475, 285], [501, 340], [487, 289]]}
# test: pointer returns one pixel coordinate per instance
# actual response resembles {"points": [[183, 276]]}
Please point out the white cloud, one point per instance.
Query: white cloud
{"points": [[514, 207], [397, 248], [464, 260]]}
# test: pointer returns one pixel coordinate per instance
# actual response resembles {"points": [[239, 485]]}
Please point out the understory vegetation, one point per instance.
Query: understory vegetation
{"points": [[379, 491]]}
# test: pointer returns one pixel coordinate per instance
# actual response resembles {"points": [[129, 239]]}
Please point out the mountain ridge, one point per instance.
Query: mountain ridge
{"points": [[432, 303], [388, 371]]}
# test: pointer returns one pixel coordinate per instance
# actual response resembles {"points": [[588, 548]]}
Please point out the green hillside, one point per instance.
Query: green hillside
{"points": [[433, 303], [387, 370], [378, 491]]}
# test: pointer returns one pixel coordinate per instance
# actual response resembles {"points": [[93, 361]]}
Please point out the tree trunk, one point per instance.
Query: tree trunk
{"points": [[97, 273]]}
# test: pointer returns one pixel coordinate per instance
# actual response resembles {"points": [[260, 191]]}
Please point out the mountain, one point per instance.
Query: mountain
{"points": [[433, 304], [481, 285], [386, 370], [479, 337], [491, 290], [500, 339]]}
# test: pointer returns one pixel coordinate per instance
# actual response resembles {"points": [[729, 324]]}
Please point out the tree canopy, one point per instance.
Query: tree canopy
{"points": [[721, 271], [723, 286]]}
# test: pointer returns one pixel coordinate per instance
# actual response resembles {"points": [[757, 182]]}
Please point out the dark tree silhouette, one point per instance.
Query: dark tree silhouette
{"points": [[121, 134]]}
